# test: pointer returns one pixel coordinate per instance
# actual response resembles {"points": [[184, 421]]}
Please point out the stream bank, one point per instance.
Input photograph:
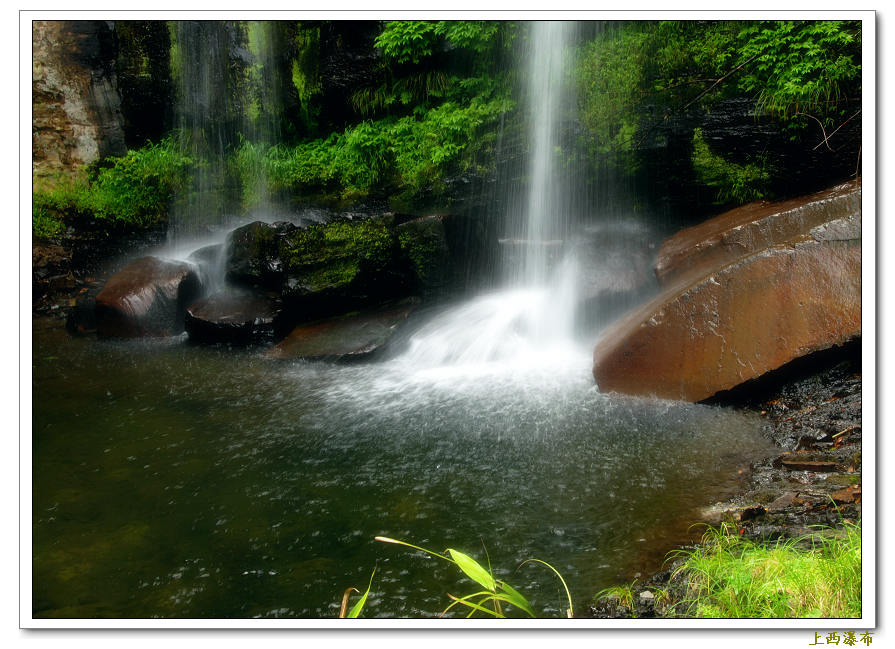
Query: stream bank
{"points": [[811, 410]]}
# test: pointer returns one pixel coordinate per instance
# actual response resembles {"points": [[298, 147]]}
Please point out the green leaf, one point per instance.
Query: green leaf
{"points": [[357, 608], [473, 570], [515, 598]]}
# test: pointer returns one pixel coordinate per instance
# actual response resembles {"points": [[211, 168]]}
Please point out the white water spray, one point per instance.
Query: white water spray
{"points": [[531, 322]]}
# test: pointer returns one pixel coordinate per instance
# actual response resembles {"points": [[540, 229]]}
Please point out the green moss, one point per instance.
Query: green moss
{"points": [[424, 244], [338, 254], [733, 183]]}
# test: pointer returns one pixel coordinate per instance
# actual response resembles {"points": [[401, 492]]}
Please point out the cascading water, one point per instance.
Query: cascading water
{"points": [[532, 319], [229, 104]]}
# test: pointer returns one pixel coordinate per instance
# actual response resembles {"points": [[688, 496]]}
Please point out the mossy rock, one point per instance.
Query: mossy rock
{"points": [[343, 256], [424, 242]]}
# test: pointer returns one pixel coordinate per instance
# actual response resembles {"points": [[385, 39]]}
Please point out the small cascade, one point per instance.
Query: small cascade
{"points": [[229, 105], [205, 118]]}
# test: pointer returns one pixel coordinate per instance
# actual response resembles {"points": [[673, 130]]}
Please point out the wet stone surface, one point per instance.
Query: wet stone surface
{"points": [[814, 417]]}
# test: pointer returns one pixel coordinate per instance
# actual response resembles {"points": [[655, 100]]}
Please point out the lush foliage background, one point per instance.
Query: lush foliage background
{"points": [[425, 102]]}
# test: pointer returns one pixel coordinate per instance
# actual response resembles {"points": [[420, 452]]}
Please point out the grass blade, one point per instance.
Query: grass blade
{"points": [[568, 594], [343, 609], [466, 602], [385, 539]]}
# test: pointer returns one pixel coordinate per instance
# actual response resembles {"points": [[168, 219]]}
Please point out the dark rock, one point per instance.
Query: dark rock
{"points": [[742, 320], [147, 298], [796, 464], [254, 255], [751, 512], [353, 335], [232, 317], [81, 318]]}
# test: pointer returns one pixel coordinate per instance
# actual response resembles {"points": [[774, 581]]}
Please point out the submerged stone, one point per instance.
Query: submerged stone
{"points": [[147, 298], [742, 319], [231, 317], [353, 335]]}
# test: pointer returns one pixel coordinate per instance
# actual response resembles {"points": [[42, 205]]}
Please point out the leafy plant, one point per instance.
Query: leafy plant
{"points": [[138, 187], [732, 182], [496, 593]]}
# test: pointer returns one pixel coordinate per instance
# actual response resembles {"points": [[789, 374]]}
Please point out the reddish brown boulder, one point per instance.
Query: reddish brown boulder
{"points": [[745, 318], [696, 251], [349, 336], [148, 298]]}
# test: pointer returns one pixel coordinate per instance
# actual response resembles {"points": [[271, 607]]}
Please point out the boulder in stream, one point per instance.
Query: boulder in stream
{"points": [[733, 320], [148, 297], [350, 336], [235, 317]]}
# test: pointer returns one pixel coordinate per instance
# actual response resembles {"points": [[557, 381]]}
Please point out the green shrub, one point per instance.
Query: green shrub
{"points": [[138, 187]]}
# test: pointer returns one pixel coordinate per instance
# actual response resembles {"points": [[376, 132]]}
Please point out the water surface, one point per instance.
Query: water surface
{"points": [[172, 480]]}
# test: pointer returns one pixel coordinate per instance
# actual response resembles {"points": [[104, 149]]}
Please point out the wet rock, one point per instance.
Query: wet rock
{"points": [[148, 297], [700, 337], [254, 254], [76, 107], [233, 317], [353, 336], [797, 464], [848, 495], [424, 242], [745, 230], [782, 503]]}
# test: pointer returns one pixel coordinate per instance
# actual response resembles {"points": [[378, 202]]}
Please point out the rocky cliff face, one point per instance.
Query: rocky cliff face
{"points": [[76, 108]]}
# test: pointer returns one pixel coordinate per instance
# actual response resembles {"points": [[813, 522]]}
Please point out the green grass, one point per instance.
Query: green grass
{"points": [[816, 576]]}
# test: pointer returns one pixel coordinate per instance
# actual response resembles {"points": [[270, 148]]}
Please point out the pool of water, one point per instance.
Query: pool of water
{"points": [[171, 480]]}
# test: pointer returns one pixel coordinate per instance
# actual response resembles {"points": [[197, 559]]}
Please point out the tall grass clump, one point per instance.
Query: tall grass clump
{"points": [[817, 575]]}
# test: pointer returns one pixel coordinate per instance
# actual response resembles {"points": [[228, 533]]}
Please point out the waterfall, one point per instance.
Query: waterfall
{"points": [[200, 60], [228, 106], [531, 321], [229, 102], [546, 217]]}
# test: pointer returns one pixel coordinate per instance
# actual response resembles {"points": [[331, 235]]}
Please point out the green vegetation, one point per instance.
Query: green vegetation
{"points": [[727, 576], [496, 600], [434, 100], [645, 82], [134, 190], [334, 255], [732, 182]]}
